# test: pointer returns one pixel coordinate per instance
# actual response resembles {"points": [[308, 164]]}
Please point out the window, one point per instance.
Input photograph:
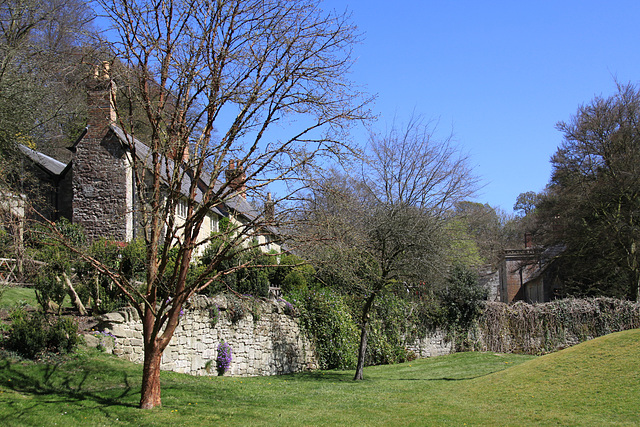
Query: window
{"points": [[213, 223], [181, 208]]}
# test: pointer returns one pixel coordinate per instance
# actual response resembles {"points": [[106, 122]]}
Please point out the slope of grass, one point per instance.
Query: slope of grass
{"points": [[595, 383]]}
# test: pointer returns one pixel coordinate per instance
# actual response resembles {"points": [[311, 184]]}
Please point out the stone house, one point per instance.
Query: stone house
{"points": [[96, 188]]}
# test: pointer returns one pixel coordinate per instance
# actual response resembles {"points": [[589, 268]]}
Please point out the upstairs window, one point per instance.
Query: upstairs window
{"points": [[181, 208], [213, 223]]}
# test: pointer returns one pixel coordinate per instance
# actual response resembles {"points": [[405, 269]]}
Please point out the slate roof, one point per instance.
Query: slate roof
{"points": [[49, 164], [237, 203]]}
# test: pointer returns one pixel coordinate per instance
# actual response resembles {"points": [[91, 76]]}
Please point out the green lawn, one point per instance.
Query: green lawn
{"points": [[13, 295], [595, 383]]}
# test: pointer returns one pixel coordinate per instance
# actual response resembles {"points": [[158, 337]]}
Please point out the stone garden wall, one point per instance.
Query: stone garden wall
{"points": [[263, 338], [432, 344], [266, 339]]}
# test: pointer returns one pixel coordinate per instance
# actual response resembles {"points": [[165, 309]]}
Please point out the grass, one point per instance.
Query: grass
{"points": [[595, 383], [12, 295]]}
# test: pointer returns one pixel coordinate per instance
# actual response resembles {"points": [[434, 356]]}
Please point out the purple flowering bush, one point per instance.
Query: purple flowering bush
{"points": [[223, 361], [289, 309], [105, 339]]}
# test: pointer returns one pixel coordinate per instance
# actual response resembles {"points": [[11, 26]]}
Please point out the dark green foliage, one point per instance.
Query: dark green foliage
{"points": [[292, 274], [127, 259], [526, 203], [298, 279], [94, 288], [236, 310], [31, 334], [462, 301], [332, 321], [49, 288], [59, 261], [590, 208], [254, 279], [214, 314], [391, 328], [327, 319]]}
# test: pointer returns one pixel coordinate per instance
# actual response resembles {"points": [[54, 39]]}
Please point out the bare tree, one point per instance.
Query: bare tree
{"points": [[385, 224], [210, 79], [42, 43]]}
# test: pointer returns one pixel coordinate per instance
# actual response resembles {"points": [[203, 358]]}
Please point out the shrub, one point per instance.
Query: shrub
{"points": [[49, 284], [127, 259], [288, 308], [235, 309], [33, 334], [326, 319], [249, 280], [462, 301], [391, 326], [214, 314]]}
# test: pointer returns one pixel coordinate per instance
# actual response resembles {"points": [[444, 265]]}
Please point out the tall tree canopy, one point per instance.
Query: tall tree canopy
{"points": [[42, 46], [592, 205]]}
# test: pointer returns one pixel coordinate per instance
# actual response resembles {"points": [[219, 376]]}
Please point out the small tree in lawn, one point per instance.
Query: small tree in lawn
{"points": [[385, 226], [211, 79]]}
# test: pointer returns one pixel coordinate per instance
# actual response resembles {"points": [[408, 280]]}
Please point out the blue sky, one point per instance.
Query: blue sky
{"points": [[500, 74]]}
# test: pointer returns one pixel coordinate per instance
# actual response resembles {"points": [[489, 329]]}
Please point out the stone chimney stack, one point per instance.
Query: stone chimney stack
{"points": [[101, 180], [236, 178], [101, 98], [269, 209]]}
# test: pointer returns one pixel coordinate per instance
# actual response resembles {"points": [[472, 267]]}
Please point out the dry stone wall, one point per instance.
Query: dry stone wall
{"points": [[270, 343], [433, 343]]}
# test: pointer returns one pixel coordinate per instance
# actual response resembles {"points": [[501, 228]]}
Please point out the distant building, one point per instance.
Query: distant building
{"points": [[528, 274]]}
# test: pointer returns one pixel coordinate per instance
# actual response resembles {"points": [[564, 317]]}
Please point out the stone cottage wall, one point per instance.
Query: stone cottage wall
{"points": [[101, 184], [271, 345]]}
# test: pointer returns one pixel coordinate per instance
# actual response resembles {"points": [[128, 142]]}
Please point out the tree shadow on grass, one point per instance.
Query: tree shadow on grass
{"points": [[445, 378], [347, 376], [63, 386], [330, 376]]}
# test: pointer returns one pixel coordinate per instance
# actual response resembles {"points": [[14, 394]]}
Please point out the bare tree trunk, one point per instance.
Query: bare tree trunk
{"points": [[75, 299], [362, 351], [150, 397], [154, 346]]}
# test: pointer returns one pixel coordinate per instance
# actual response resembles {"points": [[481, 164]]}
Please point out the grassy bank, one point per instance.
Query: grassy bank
{"points": [[594, 383]]}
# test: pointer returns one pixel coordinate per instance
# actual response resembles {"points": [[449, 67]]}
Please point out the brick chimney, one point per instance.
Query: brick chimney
{"points": [[528, 240], [236, 178]]}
